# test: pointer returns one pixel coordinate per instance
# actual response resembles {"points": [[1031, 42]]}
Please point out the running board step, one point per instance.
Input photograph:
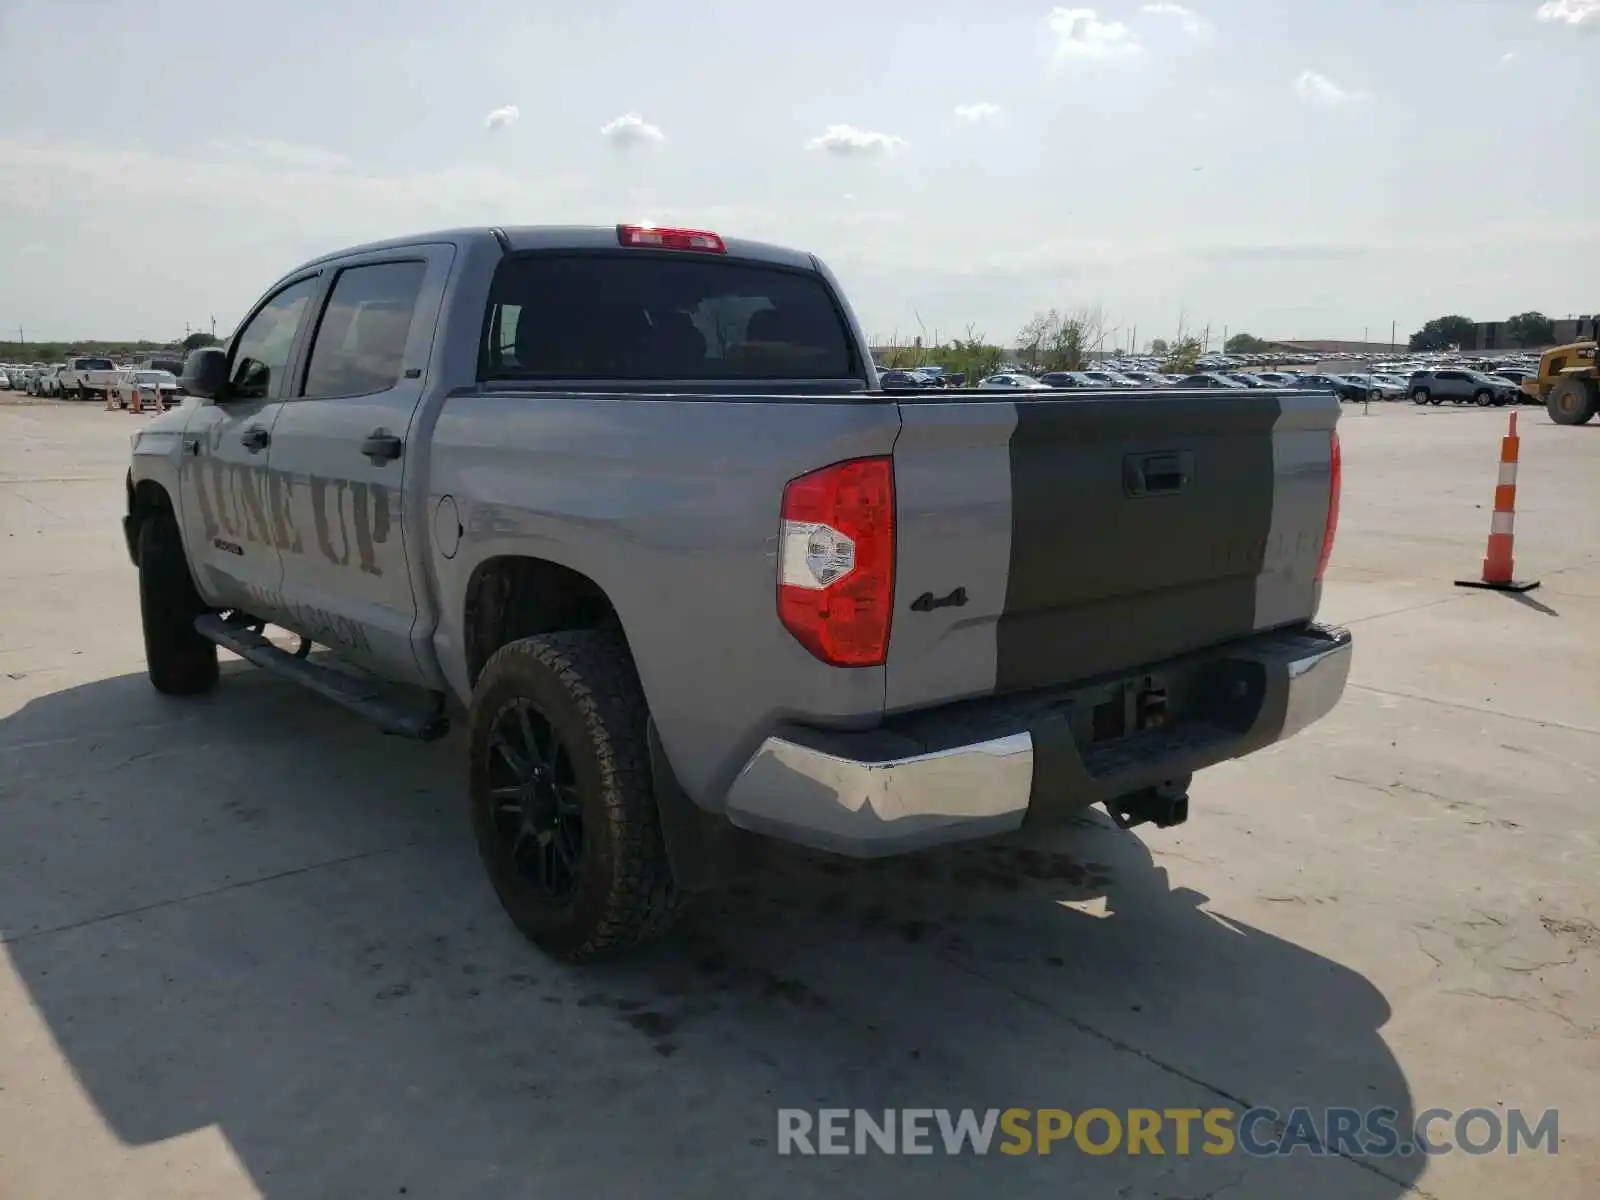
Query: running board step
{"points": [[354, 694]]}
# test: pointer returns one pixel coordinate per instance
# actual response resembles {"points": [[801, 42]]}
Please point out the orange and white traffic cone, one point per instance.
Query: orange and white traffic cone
{"points": [[1498, 562]]}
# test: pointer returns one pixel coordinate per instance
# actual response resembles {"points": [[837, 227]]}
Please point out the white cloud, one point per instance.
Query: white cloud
{"points": [[1190, 21], [1509, 57], [1080, 33], [975, 114], [501, 117], [1570, 12], [630, 130], [849, 197], [1321, 92], [849, 142]]}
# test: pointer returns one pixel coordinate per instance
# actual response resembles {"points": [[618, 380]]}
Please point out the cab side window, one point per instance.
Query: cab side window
{"points": [[261, 352], [361, 339]]}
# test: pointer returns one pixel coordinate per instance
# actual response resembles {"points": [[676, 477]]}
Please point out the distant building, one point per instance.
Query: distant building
{"points": [[1496, 335]]}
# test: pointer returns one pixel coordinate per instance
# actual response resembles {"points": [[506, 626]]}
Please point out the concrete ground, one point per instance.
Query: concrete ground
{"points": [[248, 950]]}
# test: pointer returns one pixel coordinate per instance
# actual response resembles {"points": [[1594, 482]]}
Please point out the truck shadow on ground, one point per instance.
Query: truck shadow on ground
{"points": [[250, 911]]}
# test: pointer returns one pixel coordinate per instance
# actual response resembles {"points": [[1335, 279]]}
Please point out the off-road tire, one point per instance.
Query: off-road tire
{"points": [[583, 682], [1573, 401], [180, 662]]}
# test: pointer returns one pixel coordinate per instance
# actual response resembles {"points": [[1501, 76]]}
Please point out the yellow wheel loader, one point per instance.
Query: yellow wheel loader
{"points": [[1568, 382]]}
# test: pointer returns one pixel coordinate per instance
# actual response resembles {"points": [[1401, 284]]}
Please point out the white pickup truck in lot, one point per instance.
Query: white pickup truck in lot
{"points": [[633, 499], [87, 378]]}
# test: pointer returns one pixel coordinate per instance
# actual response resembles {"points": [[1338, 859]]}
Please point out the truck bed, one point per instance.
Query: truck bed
{"points": [[1039, 541]]}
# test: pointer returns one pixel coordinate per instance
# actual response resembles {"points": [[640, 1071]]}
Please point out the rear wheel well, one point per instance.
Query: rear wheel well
{"points": [[513, 597]]}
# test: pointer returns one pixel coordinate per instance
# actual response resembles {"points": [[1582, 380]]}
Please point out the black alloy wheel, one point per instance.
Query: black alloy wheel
{"points": [[537, 812]]}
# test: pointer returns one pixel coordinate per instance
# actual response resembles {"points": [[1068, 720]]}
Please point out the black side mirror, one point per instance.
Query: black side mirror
{"points": [[205, 373]]}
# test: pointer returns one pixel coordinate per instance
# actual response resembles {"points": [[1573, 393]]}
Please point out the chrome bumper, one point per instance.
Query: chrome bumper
{"points": [[818, 796], [867, 809], [1315, 684]]}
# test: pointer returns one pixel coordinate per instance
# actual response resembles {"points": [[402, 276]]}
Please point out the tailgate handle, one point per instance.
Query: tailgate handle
{"points": [[1156, 474]]}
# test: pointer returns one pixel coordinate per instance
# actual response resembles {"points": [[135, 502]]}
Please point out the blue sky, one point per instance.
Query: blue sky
{"points": [[1310, 169]]}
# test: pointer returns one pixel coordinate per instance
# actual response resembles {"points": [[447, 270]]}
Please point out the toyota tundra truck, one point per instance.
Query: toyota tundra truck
{"points": [[632, 500]]}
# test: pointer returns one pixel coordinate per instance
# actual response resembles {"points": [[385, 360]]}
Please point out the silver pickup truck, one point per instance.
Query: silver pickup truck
{"points": [[632, 498]]}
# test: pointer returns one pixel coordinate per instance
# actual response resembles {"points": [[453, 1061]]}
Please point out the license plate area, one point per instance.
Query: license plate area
{"points": [[1109, 712]]}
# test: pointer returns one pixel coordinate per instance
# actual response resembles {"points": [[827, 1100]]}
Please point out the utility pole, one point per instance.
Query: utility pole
{"points": [[1393, 345], [213, 327], [1224, 339]]}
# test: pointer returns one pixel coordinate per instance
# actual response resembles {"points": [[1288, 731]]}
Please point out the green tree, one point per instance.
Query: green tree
{"points": [[196, 340], [1244, 343], [1159, 346], [1182, 356], [972, 356], [1033, 336], [1532, 329], [1443, 332], [1056, 341]]}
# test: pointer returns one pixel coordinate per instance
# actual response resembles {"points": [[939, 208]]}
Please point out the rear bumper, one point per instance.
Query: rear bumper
{"points": [[885, 792]]}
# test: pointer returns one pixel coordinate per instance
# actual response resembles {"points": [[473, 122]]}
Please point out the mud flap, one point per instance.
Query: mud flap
{"points": [[704, 849]]}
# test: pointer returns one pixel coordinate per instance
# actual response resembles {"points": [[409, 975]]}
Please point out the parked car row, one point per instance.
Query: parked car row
{"points": [[92, 377], [1346, 387], [1423, 387]]}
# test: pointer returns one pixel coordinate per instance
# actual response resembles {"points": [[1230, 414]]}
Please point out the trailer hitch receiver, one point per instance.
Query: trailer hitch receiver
{"points": [[1165, 805]]}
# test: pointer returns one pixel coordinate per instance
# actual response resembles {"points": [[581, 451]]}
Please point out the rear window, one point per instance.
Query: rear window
{"points": [[95, 364], [642, 316]]}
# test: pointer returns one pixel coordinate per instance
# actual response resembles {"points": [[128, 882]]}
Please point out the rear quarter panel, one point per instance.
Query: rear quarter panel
{"points": [[672, 506]]}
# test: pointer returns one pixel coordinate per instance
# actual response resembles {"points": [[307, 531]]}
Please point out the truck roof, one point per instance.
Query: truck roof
{"points": [[562, 237]]}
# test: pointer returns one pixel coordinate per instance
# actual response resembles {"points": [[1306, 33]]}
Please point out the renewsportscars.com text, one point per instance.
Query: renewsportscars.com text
{"points": [[1256, 1132]]}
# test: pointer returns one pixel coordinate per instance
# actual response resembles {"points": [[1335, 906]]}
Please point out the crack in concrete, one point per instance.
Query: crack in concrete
{"points": [[171, 901], [1488, 712], [1124, 1047]]}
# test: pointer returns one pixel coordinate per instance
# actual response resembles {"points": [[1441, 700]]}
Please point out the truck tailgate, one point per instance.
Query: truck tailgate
{"points": [[1056, 539]]}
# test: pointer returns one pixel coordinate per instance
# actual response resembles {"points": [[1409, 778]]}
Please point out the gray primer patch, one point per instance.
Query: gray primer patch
{"points": [[952, 530], [1287, 588]]}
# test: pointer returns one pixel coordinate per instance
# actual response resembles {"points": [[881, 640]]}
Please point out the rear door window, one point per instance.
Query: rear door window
{"points": [[636, 316], [361, 339]]}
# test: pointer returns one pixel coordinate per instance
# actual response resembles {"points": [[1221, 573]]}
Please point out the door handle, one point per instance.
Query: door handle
{"points": [[1153, 474], [255, 439], [381, 446]]}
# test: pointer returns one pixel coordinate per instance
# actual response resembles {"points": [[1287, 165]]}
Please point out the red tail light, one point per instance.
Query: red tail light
{"points": [[836, 561], [1335, 485], [670, 239]]}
